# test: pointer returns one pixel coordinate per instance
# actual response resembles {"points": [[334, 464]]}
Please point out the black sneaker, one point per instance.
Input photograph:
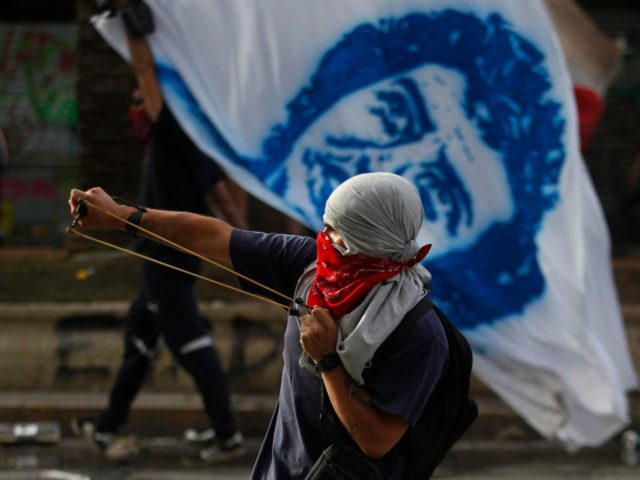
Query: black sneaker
{"points": [[222, 450], [85, 428]]}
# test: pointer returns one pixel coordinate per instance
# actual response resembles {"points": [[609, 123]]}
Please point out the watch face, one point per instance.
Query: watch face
{"points": [[328, 362]]}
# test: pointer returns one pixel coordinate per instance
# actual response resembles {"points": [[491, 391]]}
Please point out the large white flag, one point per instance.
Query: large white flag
{"points": [[469, 100]]}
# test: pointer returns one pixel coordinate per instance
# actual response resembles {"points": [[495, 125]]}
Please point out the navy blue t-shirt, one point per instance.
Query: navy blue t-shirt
{"points": [[399, 384]]}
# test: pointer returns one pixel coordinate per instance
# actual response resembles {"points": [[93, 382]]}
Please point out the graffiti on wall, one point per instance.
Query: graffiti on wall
{"points": [[38, 116], [38, 107]]}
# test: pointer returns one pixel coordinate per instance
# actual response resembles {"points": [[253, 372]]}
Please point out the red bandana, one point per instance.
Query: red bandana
{"points": [[341, 280]]}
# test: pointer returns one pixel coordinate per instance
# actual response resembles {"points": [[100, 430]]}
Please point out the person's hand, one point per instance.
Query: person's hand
{"points": [[318, 333], [95, 218]]}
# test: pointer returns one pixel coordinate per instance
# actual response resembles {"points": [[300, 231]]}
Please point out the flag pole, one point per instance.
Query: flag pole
{"points": [[143, 66]]}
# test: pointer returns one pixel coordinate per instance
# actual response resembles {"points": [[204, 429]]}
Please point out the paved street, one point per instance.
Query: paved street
{"points": [[164, 458]]}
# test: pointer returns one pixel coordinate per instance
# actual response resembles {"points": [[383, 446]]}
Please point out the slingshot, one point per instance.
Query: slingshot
{"points": [[297, 305]]}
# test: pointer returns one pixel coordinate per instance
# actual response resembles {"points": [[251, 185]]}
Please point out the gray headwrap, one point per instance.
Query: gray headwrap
{"points": [[378, 215]]}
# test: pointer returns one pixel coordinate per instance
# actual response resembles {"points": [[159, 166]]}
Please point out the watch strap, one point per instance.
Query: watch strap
{"points": [[328, 362], [135, 218]]}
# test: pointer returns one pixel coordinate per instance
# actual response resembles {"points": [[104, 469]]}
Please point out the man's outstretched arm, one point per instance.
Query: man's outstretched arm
{"points": [[204, 235]]}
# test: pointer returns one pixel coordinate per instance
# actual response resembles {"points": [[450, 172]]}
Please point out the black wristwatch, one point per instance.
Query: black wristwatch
{"points": [[328, 362], [134, 218]]}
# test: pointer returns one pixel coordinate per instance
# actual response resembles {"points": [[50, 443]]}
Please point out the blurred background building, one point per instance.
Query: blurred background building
{"points": [[39, 118]]}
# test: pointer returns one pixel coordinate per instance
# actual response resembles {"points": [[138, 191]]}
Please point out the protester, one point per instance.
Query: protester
{"points": [[176, 176], [341, 383]]}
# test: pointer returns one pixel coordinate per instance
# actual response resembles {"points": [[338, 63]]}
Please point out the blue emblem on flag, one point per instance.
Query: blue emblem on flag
{"points": [[457, 104]]}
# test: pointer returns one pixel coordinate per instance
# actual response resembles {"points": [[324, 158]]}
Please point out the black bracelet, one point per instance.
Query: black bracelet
{"points": [[328, 362], [134, 218]]}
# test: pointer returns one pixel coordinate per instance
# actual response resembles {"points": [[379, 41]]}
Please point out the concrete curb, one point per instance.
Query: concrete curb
{"points": [[253, 309], [152, 413], [250, 308]]}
